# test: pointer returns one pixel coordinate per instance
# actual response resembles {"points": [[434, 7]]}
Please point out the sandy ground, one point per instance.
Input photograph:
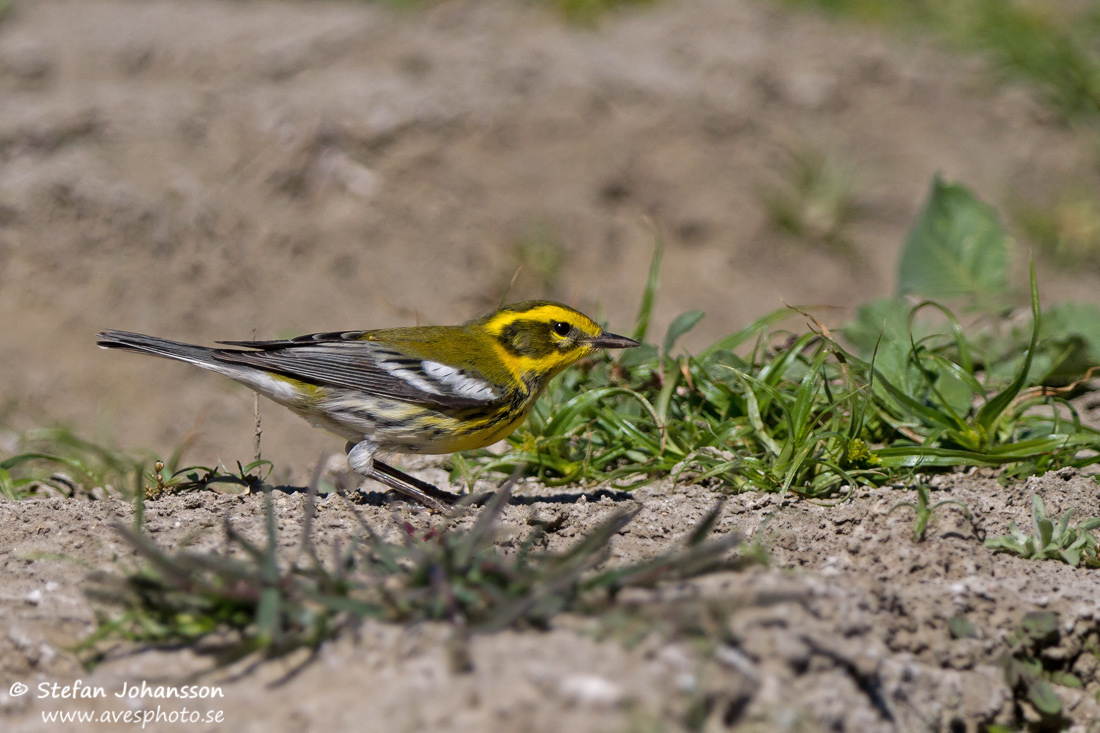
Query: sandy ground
{"points": [[846, 628], [209, 170]]}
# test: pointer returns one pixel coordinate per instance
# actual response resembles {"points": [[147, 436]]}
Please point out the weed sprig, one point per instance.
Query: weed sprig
{"points": [[1051, 540], [924, 509]]}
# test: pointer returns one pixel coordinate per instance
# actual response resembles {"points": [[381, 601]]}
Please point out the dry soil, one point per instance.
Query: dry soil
{"points": [[208, 170]]}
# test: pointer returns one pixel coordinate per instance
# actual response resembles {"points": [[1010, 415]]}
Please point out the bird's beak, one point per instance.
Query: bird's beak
{"points": [[611, 341]]}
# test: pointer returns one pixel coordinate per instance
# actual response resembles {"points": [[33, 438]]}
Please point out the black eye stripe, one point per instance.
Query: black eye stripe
{"points": [[538, 338]]}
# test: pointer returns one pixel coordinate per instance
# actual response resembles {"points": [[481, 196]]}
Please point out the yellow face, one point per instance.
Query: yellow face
{"points": [[539, 338]]}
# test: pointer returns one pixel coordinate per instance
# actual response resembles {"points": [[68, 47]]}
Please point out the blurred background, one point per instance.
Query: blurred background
{"points": [[209, 169]]}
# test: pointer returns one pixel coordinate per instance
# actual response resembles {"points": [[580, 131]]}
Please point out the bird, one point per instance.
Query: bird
{"points": [[416, 389]]}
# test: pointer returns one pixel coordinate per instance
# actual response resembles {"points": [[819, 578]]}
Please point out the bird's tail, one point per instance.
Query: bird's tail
{"points": [[198, 355], [282, 390]]}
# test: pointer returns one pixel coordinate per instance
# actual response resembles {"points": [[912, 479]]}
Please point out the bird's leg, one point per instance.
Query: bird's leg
{"points": [[362, 461]]}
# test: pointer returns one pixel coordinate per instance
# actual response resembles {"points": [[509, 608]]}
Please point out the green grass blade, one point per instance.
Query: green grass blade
{"points": [[992, 410], [649, 294], [754, 329]]}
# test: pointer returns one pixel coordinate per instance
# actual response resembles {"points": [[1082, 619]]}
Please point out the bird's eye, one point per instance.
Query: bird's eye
{"points": [[562, 328]]}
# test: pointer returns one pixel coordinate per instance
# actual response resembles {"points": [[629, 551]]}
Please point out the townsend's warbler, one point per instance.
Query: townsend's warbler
{"points": [[428, 389]]}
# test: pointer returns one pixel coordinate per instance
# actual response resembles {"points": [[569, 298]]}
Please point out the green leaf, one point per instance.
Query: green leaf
{"points": [[643, 354], [24, 457], [1063, 524], [1072, 556], [7, 486], [887, 318], [962, 628], [956, 391], [680, 325], [1041, 624], [1044, 528], [1066, 679], [1062, 362], [1065, 322], [956, 248], [1005, 543], [1043, 697]]}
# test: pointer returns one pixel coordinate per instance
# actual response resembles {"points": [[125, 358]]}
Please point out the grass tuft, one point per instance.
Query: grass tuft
{"points": [[255, 599], [907, 388], [57, 460]]}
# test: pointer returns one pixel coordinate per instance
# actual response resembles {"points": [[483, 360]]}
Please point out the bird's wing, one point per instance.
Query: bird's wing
{"points": [[309, 338], [339, 360]]}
